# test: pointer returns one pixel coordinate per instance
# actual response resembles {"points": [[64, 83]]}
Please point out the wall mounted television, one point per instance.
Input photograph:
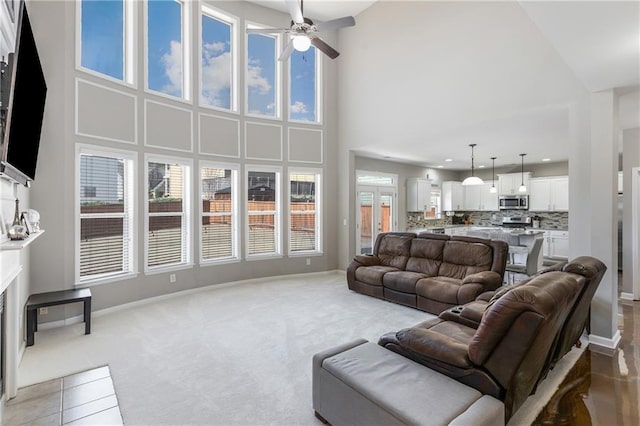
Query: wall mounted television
{"points": [[23, 105]]}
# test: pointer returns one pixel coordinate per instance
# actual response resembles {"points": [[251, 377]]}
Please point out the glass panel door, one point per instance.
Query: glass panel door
{"points": [[375, 214]]}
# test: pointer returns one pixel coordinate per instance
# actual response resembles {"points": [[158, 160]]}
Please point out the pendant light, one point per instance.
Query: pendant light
{"points": [[493, 188], [472, 180], [522, 187]]}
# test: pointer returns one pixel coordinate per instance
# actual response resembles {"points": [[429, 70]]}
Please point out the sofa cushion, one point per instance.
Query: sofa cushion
{"points": [[442, 289], [394, 250], [403, 281], [372, 275], [426, 256], [461, 258]]}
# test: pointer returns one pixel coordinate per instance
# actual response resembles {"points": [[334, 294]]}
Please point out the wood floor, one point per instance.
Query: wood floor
{"points": [[602, 389]]}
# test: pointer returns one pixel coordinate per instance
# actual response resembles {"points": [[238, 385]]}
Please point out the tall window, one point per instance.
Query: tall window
{"points": [[106, 38], [105, 229], [219, 202], [304, 211], [168, 213], [262, 75], [217, 71], [263, 211], [303, 86], [168, 47]]}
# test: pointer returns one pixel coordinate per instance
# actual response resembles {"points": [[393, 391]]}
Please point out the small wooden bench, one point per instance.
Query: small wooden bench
{"points": [[53, 298]]}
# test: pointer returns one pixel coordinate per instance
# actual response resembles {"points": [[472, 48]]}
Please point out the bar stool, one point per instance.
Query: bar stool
{"points": [[531, 266]]}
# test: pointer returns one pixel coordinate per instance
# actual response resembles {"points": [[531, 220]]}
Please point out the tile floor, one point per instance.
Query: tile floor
{"points": [[86, 398]]}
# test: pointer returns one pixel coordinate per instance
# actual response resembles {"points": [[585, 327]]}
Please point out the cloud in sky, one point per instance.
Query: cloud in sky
{"points": [[172, 62], [255, 80], [299, 108], [216, 74]]}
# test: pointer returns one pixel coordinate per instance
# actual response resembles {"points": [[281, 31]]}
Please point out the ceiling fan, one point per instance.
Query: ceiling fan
{"points": [[303, 31]]}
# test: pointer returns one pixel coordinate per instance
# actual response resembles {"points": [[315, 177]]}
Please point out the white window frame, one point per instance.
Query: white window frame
{"points": [[235, 214], [233, 21], [131, 209], [129, 49], [186, 54], [277, 214], [277, 78], [318, 88], [318, 210], [187, 255]]}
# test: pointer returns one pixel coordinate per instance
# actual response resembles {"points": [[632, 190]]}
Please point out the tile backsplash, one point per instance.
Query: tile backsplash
{"points": [[548, 220]]}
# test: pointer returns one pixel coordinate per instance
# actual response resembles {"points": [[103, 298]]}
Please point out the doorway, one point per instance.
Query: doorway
{"points": [[376, 208]]}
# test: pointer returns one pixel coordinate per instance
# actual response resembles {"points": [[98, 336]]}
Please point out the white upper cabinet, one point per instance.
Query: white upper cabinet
{"points": [[452, 196], [549, 194], [418, 194], [480, 198], [509, 184]]}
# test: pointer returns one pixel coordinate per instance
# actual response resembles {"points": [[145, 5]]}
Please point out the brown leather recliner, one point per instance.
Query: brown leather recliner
{"points": [[505, 355]]}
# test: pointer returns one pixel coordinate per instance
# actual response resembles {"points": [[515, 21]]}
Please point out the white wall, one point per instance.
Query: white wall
{"points": [[630, 159]]}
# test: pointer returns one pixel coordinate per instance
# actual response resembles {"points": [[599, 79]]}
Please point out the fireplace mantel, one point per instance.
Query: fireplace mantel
{"points": [[11, 282]]}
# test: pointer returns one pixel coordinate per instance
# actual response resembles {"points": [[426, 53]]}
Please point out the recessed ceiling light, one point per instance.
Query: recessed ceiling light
{"points": [[546, 159], [481, 167], [441, 166], [448, 160]]}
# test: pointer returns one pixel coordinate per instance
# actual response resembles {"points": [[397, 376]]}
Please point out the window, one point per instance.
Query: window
{"points": [[303, 86], [168, 213], [304, 211], [262, 75], [217, 67], [263, 211], [168, 47], [106, 38], [106, 212], [219, 203]]}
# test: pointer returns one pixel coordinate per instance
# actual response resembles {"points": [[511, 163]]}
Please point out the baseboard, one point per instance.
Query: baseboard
{"points": [[60, 323], [604, 344], [626, 296]]}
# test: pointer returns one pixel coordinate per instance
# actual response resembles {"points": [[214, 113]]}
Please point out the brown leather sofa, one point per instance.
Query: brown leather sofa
{"points": [[522, 331], [431, 272]]}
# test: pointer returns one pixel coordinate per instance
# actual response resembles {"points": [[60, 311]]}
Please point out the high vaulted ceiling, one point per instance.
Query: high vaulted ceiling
{"points": [[559, 48]]}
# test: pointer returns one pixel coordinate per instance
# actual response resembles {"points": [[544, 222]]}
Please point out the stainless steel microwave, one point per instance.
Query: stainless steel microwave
{"points": [[514, 202]]}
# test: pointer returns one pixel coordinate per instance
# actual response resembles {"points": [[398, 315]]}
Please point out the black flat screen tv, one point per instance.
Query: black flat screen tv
{"points": [[25, 107]]}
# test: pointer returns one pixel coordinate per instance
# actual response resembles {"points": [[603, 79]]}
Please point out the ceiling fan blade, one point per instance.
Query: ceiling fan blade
{"points": [[267, 30], [324, 47], [295, 11], [335, 24], [286, 52]]}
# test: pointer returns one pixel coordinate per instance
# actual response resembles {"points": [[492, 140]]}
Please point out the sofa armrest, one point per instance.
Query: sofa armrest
{"points": [[437, 346], [486, 296], [365, 260], [490, 280]]}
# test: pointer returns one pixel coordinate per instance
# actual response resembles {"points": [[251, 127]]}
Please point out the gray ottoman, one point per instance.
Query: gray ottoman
{"points": [[362, 383]]}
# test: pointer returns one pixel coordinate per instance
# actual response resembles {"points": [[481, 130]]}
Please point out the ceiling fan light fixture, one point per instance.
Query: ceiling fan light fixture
{"points": [[472, 180], [301, 43]]}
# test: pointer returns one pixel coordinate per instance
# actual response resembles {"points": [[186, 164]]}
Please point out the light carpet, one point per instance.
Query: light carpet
{"points": [[222, 355]]}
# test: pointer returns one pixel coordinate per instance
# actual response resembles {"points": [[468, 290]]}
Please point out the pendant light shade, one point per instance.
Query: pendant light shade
{"points": [[522, 187], [472, 180], [493, 188]]}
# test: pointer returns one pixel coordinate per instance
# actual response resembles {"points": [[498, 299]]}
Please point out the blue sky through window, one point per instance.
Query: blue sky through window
{"points": [[303, 85], [164, 48], [103, 37], [216, 62], [261, 72]]}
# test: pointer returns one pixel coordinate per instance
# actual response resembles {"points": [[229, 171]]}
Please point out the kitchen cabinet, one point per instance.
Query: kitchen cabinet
{"points": [[480, 198], [509, 184], [549, 194], [556, 244], [418, 194], [452, 196]]}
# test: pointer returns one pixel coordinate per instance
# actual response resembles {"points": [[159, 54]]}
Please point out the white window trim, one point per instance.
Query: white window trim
{"points": [[318, 211], [277, 78], [318, 88], [186, 54], [235, 213], [233, 21], [186, 213], [278, 212], [130, 47], [130, 185]]}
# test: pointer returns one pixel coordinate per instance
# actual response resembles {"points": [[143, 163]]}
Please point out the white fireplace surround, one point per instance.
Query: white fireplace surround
{"points": [[11, 281]]}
